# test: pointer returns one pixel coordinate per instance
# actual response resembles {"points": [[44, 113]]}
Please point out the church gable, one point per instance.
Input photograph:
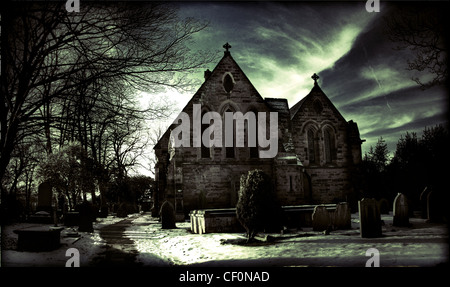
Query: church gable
{"points": [[228, 87], [319, 130]]}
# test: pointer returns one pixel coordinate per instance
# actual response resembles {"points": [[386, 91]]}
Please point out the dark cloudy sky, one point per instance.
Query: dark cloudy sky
{"points": [[280, 45]]}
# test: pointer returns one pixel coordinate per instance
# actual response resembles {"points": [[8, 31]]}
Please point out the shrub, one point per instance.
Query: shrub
{"points": [[257, 208]]}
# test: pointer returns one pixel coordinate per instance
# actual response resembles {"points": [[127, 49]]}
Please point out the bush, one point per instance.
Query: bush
{"points": [[257, 208]]}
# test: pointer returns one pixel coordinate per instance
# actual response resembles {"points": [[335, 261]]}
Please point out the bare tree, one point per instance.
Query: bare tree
{"points": [[49, 55], [422, 28]]}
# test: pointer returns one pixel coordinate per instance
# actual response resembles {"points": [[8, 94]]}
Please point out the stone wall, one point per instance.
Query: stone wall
{"points": [[216, 185]]}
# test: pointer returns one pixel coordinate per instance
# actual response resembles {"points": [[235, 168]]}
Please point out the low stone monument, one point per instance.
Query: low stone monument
{"points": [[320, 218], [38, 238], [167, 215], [400, 210], [369, 218]]}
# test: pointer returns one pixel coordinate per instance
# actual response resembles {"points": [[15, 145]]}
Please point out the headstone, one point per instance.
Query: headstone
{"points": [[45, 196], [401, 210], [320, 218], [342, 216], [86, 216], [167, 215], [435, 206], [179, 207], [369, 218], [384, 206], [103, 211], [71, 218], [424, 202]]}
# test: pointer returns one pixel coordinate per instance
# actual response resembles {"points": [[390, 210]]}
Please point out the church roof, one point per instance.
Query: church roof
{"points": [[226, 61], [278, 105], [316, 91]]}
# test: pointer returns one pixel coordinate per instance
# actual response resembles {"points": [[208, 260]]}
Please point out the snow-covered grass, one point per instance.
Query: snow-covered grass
{"points": [[88, 245], [423, 244]]}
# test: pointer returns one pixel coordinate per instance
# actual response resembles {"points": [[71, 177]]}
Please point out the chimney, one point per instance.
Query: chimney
{"points": [[207, 74]]}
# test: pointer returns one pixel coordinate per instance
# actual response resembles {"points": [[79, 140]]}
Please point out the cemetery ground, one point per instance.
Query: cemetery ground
{"points": [[138, 240]]}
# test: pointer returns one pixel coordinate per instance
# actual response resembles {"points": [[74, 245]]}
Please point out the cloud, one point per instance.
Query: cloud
{"points": [[280, 45]]}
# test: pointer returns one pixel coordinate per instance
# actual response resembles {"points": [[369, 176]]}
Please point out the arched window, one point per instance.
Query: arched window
{"points": [[228, 82], [254, 150], [311, 146], [329, 142], [205, 150], [229, 150]]}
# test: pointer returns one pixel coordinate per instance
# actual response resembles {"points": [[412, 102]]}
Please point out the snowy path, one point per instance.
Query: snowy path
{"points": [[119, 250]]}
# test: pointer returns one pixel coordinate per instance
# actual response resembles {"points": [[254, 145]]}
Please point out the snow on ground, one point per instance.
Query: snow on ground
{"points": [[424, 244], [88, 244]]}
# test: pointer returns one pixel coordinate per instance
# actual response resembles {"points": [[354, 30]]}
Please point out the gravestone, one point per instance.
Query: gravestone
{"points": [[384, 206], [424, 202], [320, 218], [401, 210], [85, 218], [71, 218], [342, 216], [167, 215], [369, 218], [435, 206], [45, 197]]}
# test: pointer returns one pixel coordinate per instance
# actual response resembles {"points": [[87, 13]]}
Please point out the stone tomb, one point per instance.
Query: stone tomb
{"points": [[369, 218], [400, 210], [225, 220], [38, 238], [215, 221]]}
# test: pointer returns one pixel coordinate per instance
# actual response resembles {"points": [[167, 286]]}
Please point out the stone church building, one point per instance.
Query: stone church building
{"points": [[316, 162]]}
